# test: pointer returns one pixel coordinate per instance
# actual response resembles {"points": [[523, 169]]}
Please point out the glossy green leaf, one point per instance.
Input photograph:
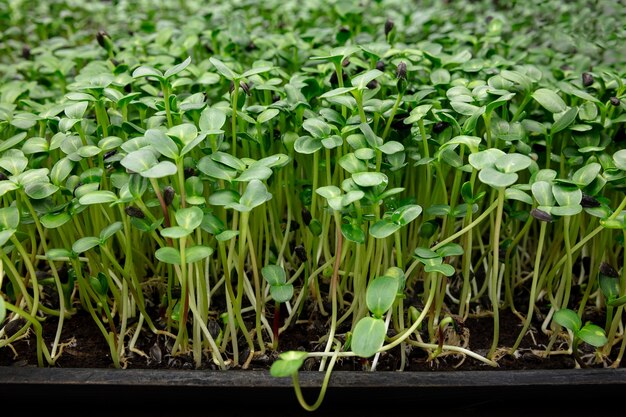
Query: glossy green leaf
{"points": [[189, 218], [54, 220], [418, 114], [381, 294], [568, 319], [450, 249], [110, 230], [175, 232], [168, 255], [549, 100], [585, 175], [288, 363], [368, 337], [224, 70], [369, 179], [274, 274], [255, 194], [281, 293], [564, 121], [97, 197], [162, 143], [383, 228], [197, 253], [59, 254], [9, 217], [445, 269], [226, 235], [212, 119], [497, 179], [145, 71], [40, 190], [257, 172], [593, 335], [307, 145], [406, 214], [362, 80], [353, 233], [85, 243], [512, 162], [486, 158], [567, 195], [177, 68]]}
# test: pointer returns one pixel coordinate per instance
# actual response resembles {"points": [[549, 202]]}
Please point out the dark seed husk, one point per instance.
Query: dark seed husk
{"points": [[608, 270], [587, 79], [615, 101], [541, 215], [301, 253], [388, 26], [134, 212], [168, 194], [306, 216], [401, 71], [440, 127], [100, 37], [589, 201], [380, 66]]}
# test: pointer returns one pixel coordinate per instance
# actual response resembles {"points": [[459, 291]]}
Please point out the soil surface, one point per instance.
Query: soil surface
{"points": [[85, 347]]}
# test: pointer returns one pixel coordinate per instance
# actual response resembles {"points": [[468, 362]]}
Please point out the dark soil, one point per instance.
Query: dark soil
{"points": [[85, 348]]}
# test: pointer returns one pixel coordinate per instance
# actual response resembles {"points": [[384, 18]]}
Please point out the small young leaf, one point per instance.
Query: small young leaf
{"points": [[353, 233], [110, 230], [281, 293], [9, 217], [168, 255], [568, 319], [445, 269], [274, 274], [224, 69], [189, 218], [549, 100], [383, 228], [97, 197], [85, 243], [197, 253], [288, 363], [369, 179], [381, 294], [177, 68], [593, 335], [255, 194], [368, 337], [175, 232]]}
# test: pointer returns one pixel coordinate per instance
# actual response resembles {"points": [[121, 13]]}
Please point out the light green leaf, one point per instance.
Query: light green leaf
{"points": [[85, 243], [368, 337], [369, 179], [224, 69], [381, 294], [97, 197], [288, 363], [383, 228], [189, 218], [274, 274], [568, 319], [497, 179], [549, 100], [197, 253], [255, 194], [177, 68], [168, 255]]}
